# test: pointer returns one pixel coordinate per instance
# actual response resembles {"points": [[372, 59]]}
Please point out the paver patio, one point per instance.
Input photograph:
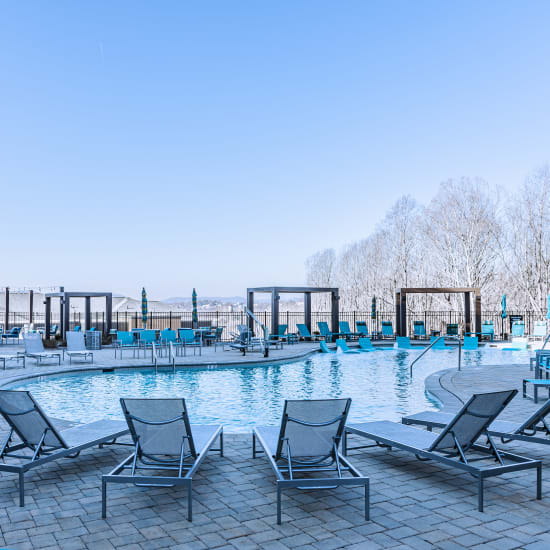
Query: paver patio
{"points": [[413, 504]]}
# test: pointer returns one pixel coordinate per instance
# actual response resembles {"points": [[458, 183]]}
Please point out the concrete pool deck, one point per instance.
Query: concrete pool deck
{"points": [[413, 504]]}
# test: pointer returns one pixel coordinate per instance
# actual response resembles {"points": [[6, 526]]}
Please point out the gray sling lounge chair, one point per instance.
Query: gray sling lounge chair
{"points": [[76, 347], [307, 442], [34, 348], [39, 436], [164, 441], [535, 429], [456, 445]]}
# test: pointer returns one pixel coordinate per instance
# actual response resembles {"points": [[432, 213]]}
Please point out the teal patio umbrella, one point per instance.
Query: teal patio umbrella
{"points": [[503, 304], [548, 308], [144, 307], [195, 314], [373, 308]]}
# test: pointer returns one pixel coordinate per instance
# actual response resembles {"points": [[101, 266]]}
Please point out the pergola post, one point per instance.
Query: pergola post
{"points": [[403, 310], [7, 310], [109, 314], [478, 312], [307, 310], [66, 314], [398, 313], [467, 313], [335, 312], [275, 298], [87, 313], [48, 314], [31, 306], [250, 306], [62, 313]]}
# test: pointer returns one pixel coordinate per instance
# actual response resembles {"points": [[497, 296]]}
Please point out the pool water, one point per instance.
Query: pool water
{"points": [[241, 397]]}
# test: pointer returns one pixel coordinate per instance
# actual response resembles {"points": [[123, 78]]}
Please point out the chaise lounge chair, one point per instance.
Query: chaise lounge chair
{"points": [[470, 343], [164, 441], [342, 345], [76, 347], [345, 331], [38, 434], [365, 344], [456, 445], [387, 330], [307, 442], [304, 333], [12, 334], [34, 348], [535, 429], [419, 329], [362, 328], [325, 331], [518, 329]]}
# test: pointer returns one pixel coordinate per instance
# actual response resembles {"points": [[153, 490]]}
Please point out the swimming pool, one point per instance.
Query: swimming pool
{"points": [[244, 396]]}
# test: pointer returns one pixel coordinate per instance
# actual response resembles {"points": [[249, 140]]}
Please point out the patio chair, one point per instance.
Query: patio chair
{"points": [[362, 328], [164, 441], [38, 434], [146, 339], [124, 340], [16, 358], [188, 339], [324, 348], [12, 334], [342, 345], [365, 344], [457, 444], [77, 328], [345, 330], [53, 330], [325, 331], [535, 429], [280, 337], [76, 347], [518, 328], [488, 330], [439, 344], [34, 348], [419, 329], [470, 343], [307, 443], [452, 329], [539, 331], [403, 342], [387, 330], [304, 333], [214, 337]]}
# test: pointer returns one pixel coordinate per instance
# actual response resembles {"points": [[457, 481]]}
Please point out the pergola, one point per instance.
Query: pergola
{"points": [[401, 306], [307, 291], [65, 309]]}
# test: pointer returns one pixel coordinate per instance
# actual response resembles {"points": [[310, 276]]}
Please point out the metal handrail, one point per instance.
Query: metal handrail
{"points": [[263, 328], [432, 344]]}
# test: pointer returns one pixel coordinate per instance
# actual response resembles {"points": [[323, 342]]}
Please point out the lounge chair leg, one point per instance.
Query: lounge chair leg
{"points": [[480, 494], [221, 443], [539, 481], [189, 502], [345, 443], [367, 501], [278, 504], [103, 499], [21, 489]]}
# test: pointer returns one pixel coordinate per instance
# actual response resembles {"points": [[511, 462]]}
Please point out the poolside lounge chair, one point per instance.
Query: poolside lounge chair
{"points": [[53, 330], [440, 344], [325, 331], [343, 346], [488, 330], [456, 445], [34, 348], [304, 333], [387, 330], [76, 347], [189, 340], [125, 340], [345, 330], [17, 358], [419, 329], [280, 337], [518, 328], [470, 343], [307, 442], [146, 339], [365, 344], [324, 348], [362, 328], [535, 429], [452, 329], [12, 334], [38, 434], [403, 342], [539, 331], [164, 441]]}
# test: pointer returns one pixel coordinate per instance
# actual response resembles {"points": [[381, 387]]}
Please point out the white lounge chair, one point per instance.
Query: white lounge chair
{"points": [[34, 348], [76, 347]]}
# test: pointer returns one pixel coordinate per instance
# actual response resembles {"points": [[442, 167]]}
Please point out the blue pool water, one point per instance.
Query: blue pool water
{"points": [[241, 397]]}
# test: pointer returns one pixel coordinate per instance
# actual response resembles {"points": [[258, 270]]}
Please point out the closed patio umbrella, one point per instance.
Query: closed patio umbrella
{"points": [[144, 307], [373, 308], [503, 314], [195, 314], [548, 308]]}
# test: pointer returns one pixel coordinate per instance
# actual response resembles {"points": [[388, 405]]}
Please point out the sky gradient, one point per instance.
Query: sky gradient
{"points": [[216, 145]]}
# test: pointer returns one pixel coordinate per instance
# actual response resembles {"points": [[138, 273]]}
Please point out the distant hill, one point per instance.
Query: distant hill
{"points": [[220, 299]]}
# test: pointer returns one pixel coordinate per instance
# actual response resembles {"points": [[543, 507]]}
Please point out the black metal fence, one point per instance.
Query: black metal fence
{"points": [[433, 320]]}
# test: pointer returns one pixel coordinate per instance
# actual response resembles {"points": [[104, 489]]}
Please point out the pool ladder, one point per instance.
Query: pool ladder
{"points": [[432, 344]]}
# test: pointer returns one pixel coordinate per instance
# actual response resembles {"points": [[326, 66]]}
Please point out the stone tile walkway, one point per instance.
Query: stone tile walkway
{"points": [[413, 504]]}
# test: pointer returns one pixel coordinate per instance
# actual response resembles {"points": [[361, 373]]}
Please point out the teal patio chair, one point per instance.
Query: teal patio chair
{"points": [[304, 333], [365, 344], [387, 330], [345, 330], [189, 340], [124, 340], [518, 328], [452, 329], [488, 330], [419, 329], [362, 328], [325, 331], [324, 348], [342, 345]]}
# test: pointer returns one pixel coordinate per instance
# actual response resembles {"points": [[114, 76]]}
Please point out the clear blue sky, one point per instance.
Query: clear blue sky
{"points": [[218, 144]]}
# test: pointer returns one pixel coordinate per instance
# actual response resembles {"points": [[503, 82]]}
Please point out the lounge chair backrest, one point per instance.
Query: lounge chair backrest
{"points": [[148, 336], [33, 343], [452, 329], [342, 344], [535, 418], [419, 328], [282, 330], [168, 335], [472, 420], [312, 428], [387, 328], [160, 426], [403, 342], [125, 338], [518, 328], [344, 327], [28, 420], [362, 327], [365, 343], [323, 328], [303, 330], [324, 347], [540, 328], [487, 327], [187, 335], [75, 341]]}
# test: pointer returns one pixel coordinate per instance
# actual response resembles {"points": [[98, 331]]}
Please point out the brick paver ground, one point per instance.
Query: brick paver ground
{"points": [[413, 504]]}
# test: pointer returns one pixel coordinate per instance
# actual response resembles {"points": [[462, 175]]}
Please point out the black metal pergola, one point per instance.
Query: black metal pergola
{"points": [[65, 309], [401, 306], [307, 291]]}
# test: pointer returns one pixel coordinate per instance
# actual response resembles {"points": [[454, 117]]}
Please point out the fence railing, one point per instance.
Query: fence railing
{"points": [[433, 320]]}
